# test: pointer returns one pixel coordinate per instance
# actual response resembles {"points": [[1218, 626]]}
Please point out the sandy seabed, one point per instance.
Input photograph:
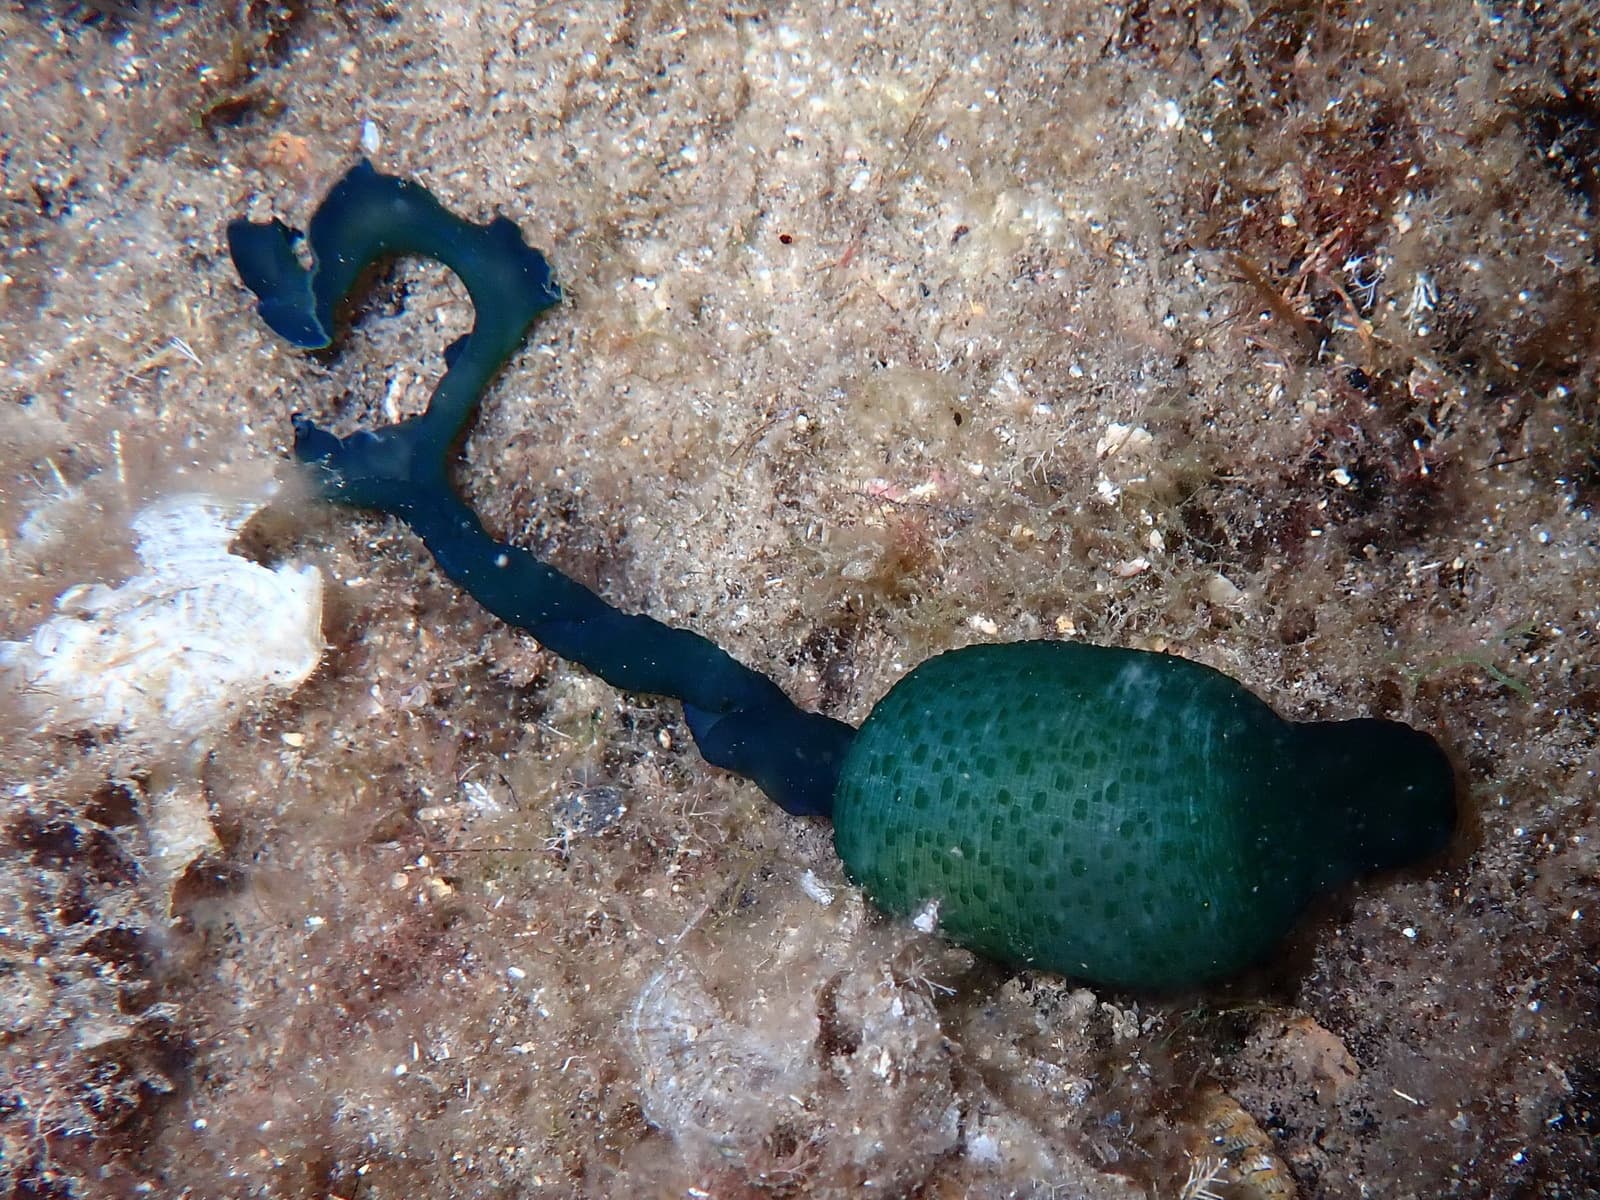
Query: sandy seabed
{"points": [[1263, 333]]}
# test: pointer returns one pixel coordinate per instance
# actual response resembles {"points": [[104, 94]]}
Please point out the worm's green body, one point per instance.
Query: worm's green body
{"points": [[1131, 818]]}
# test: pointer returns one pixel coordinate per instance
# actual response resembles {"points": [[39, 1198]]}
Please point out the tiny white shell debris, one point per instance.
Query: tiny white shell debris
{"points": [[176, 651], [171, 656], [717, 1074], [816, 889], [983, 1148], [1123, 439], [180, 828], [1223, 592]]}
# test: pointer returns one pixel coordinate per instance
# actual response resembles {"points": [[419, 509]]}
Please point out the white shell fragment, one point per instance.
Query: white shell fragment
{"points": [[709, 1075], [1224, 593], [1123, 439], [179, 649]]}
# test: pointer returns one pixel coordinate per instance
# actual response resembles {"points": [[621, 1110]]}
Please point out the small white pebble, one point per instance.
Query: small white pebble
{"points": [[516, 973], [816, 889], [293, 739], [1409, 933], [1123, 439], [371, 139], [1223, 592], [983, 1148]]}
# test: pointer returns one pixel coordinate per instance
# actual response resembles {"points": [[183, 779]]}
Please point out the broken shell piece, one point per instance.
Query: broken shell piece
{"points": [[179, 824], [1123, 439], [169, 658], [1241, 1153], [1224, 593], [177, 650], [710, 1074]]}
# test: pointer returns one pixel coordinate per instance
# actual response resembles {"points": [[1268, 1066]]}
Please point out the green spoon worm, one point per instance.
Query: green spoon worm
{"points": [[1127, 818], [740, 719], [1132, 818]]}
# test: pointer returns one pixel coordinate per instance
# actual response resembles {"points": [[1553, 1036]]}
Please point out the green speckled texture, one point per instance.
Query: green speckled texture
{"points": [[1129, 818]]}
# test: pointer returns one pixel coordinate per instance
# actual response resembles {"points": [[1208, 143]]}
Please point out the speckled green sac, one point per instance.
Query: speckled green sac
{"points": [[1128, 818]]}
